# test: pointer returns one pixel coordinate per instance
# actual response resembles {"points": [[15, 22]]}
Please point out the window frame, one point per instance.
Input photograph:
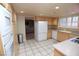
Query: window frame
{"points": [[70, 22]]}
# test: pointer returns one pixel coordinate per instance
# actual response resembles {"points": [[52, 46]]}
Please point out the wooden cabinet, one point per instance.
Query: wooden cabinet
{"points": [[52, 24], [49, 34], [15, 42], [53, 21], [73, 35], [61, 36], [40, 18], [1, 47], [57, 53]]}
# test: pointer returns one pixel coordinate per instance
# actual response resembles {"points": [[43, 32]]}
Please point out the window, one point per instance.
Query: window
{"points": [[75, 21], [69, 21], [62, 22]]}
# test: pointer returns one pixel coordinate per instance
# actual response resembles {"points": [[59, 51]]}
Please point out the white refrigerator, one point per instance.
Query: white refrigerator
{"points": [[6, 31], [41, 28]]}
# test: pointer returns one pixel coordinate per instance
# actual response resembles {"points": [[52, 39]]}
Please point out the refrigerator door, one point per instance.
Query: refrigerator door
{"points": [[41, 30], [42, 36], [42, 26]]}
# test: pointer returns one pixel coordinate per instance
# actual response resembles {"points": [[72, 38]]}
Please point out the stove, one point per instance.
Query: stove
{"points": [[75, 40]]}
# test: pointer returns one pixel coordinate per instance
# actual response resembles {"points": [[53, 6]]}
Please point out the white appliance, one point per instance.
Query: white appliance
{"points": [[54, 34], [41, 28], [6, 30]]}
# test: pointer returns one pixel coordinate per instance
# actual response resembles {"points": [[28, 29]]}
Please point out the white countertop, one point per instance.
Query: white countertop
{"points": [[65, 31], [68, 48]]}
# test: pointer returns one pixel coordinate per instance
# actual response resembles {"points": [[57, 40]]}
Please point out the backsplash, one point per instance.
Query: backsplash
{"points": [[52, 26]]}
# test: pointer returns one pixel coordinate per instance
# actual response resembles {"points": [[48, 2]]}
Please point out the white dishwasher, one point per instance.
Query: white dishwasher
{"points": [[54, 34]]}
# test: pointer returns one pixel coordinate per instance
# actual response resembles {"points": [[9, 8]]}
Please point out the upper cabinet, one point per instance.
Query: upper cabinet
{"points": [[40, 18], [69, 22], [53, 21]]}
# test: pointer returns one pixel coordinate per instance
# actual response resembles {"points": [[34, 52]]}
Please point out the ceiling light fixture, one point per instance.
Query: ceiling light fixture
{"points": [[21, 11], [73, 12], [41, 14], [57, 7]]}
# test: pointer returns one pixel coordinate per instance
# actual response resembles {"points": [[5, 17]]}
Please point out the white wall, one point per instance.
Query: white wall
{"points": [[21, 25]]}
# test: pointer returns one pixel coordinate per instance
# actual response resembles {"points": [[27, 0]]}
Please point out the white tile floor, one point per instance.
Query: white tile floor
{"points": [[34, 48]]}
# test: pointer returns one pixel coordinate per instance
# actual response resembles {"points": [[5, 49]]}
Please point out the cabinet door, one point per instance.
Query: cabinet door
{"points": [[49, 34], [49, 22], [57, 53], [59, 36], [73, 35], [63, 36]]}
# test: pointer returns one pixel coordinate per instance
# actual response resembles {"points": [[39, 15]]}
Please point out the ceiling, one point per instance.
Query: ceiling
{"points": [[46, 9]]}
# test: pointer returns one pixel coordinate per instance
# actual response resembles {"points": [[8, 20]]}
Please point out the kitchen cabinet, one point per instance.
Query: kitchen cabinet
{"points": [[53, 21], [15, 42], [52, 24], [50, 21], [1, 47], [57, 53], [73, 35], [49, 34], [61, 36], [40, 18]]}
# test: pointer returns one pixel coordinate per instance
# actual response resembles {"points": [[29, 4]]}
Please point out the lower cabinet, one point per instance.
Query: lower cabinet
{"points": [[61, 36], [49, 34], [57, 53], [73, 35]]}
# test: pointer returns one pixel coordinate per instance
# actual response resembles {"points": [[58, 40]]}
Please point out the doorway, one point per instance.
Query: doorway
{"points": [[29, 27]]}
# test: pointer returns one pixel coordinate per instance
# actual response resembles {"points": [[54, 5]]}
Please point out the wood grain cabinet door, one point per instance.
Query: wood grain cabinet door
{"points": [[57, 53], [62, 36], [49, 34], [65, 36], [59, 36]]}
